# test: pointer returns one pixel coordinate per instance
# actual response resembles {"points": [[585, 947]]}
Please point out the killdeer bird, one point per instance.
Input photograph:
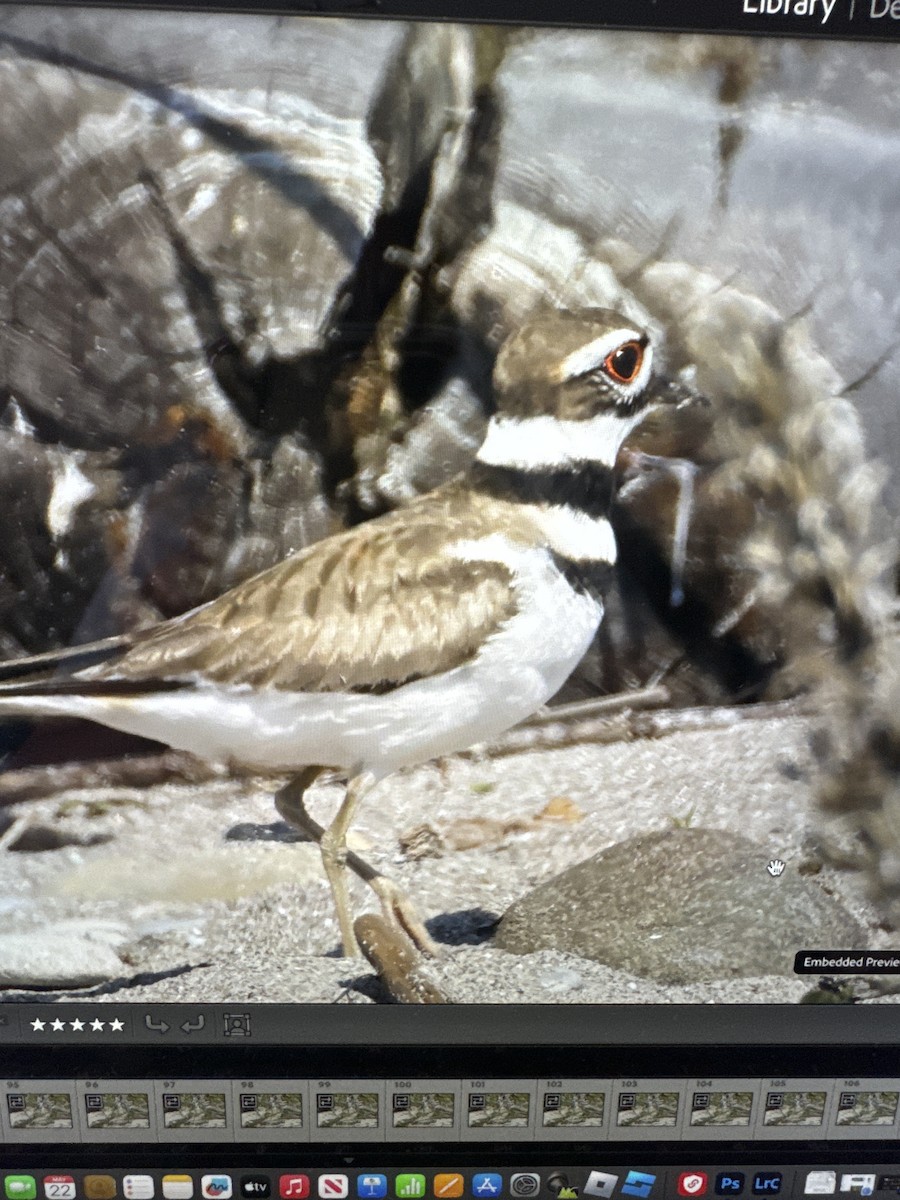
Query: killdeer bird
{"points": [[408, 637]]}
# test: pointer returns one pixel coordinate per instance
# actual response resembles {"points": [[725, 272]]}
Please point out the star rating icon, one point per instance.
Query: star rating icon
{"points": [[39, 1025]]}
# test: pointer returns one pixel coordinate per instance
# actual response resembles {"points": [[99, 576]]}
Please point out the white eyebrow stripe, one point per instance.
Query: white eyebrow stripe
{"points": [[588, 357]]}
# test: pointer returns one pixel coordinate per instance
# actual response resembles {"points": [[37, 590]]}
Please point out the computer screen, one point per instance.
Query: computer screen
{"points": [[614, 698], [448, 596]]}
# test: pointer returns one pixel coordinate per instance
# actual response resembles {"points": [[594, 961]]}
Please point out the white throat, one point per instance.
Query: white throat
{"points": [[545, 442]]}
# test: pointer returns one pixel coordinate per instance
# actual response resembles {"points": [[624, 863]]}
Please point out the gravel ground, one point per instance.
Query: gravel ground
{"points": [[190, 914]]}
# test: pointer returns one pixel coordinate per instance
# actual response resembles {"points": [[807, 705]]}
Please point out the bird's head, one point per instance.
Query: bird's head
{"points": [[575, 366], [570, 387]]}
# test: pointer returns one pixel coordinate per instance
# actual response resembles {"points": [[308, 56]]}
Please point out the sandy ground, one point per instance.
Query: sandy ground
{"points": [[177, 911]]}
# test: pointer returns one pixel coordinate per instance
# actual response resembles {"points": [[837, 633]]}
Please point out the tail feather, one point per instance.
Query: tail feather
{"points": [[74, 658], [54, 686]]}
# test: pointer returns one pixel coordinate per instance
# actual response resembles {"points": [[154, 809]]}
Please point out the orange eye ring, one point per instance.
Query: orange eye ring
{"points": [[624, 363]]}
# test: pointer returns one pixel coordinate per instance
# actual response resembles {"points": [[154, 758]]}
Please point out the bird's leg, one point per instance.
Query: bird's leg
{"points": [[333, 844], [396, 905], [333, 848], [289, 803]]}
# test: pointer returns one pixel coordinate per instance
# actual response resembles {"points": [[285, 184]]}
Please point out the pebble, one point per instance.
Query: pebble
{"points": [[561, 979], [680, 907]]}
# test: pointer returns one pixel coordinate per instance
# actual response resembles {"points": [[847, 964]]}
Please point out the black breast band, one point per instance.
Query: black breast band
{"points": [[588, 488]]}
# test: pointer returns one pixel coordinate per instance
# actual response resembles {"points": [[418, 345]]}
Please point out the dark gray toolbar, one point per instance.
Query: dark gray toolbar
{"points": [[531, 1025]]}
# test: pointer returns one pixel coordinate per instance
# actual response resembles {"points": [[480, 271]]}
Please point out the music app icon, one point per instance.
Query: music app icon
{"points": [[293, 1187]]}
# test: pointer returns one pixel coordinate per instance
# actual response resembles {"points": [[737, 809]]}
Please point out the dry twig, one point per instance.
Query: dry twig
{"points": [[399, 965]]}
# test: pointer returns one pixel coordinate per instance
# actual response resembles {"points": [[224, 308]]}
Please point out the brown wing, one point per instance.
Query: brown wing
{"points": [[366, 609]]}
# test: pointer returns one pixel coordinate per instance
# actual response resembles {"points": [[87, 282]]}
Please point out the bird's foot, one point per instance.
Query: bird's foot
{"points": [[399, 911]]}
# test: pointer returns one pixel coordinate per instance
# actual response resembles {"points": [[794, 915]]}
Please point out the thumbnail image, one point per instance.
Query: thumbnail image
{"points": [[194, 1110], [449, 473], [658, 1109], [347, 1110], [498, 1110], [721, 1108], [117, 1110], [39, 1110], [563, 1110], [795, 1108], [423, 1110], [271, 1110], [867, 1108]]}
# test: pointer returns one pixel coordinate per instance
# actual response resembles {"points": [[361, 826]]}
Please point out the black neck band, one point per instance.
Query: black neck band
{"points": [[590, 578], [588, 487]]}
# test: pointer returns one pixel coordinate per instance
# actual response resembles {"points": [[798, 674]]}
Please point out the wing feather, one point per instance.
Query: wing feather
{"points": [[365, 610]]}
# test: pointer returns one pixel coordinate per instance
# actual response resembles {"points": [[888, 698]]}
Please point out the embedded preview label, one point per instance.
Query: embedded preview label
{"points": [[847, 962]]}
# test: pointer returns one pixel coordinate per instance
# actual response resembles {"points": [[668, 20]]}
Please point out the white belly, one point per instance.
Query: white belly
{"points": [[516, 672]]}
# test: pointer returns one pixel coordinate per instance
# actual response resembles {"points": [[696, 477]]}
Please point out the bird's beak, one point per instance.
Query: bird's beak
{"points": [[677, 393]]}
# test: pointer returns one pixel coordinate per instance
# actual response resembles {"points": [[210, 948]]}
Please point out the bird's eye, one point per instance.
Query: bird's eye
{"points": [[624, 363]]}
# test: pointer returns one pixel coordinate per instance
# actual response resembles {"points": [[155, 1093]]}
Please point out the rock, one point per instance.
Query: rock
{"points": [[55, 960], [679, 907], [39, 837], [195, 876], [561, 979]]}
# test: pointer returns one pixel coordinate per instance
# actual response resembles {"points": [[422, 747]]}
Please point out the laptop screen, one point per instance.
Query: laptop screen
{"points": [[448, 559]]}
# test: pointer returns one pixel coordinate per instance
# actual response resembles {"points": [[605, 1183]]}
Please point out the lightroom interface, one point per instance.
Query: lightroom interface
{"points": [[448, 552]]}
